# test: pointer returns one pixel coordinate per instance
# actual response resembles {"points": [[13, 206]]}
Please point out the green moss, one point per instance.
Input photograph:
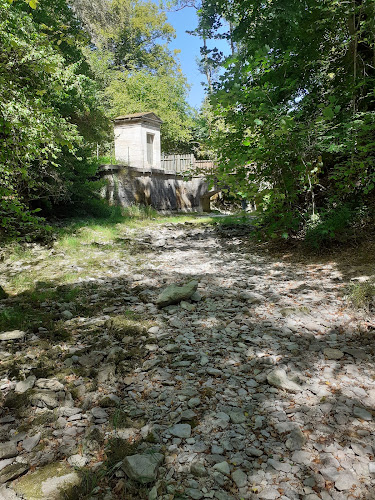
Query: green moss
{"points": [[288, 311], [30, 486], [107, 403], [44, 418], [122, 325]]}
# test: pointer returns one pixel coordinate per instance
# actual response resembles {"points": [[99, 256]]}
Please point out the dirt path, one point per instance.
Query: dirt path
{"points": [[262, 387]]}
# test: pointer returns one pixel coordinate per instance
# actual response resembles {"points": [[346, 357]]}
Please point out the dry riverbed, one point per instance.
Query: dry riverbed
{"points": [[260, 385]]}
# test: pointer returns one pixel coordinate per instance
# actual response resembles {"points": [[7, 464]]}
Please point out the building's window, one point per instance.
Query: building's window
{"points": [[150, 149]]}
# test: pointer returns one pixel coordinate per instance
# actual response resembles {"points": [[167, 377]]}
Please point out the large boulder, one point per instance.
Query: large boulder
{"points": [[278, 378], [142, 468], [174, 293]]}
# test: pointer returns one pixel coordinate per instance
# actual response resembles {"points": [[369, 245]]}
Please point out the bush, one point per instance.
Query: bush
{"points": [[330, 227]]}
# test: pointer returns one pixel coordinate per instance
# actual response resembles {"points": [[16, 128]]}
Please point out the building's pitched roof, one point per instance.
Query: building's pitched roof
{"points": [[137, 116]]}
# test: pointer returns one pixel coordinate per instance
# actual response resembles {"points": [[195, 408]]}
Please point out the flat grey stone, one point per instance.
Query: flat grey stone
{"points": [[296, 440], [99, 413], [151, 363], [194, 402], [268, 493], [45, 399], [171, 348], [29, 443], [174, 294], [280, 466], [13, 335], [188, 415], [361, 413], [345, 480], [330, 473], [334, 354], [142, 468], [5, 462], [181, 430], [240, 478], [237, 417], [8, 449], [49, 383], [67, 315], [356, 353], [25, 385], [252, 297], [194, 493], [8, 494], [223, 495], [12, 471], [302, 457], [215, 372], [254, 452], [222, 467], [198, 469]]}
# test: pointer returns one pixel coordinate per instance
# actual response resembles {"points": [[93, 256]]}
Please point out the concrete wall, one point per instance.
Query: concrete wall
{"points": [[164, 191], [131, 144]]}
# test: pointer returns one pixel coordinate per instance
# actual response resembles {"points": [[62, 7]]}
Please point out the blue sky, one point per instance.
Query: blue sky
{"points": [[182, 20]]}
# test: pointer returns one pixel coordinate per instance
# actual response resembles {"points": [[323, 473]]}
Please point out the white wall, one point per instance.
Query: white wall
{"points": [[131, 144]]}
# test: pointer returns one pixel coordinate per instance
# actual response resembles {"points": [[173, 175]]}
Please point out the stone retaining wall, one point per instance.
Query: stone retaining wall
{"points": [[162, 190]]}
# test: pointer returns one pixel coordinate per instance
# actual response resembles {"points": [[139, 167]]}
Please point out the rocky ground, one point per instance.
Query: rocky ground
{"points": [[259, 385]]}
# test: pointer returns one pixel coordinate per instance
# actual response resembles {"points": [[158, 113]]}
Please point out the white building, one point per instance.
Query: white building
{"points": [[137, 140]]}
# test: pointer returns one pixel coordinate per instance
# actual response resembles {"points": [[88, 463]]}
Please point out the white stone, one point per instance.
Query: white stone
{"points": [[279, 379], [13, 335]]}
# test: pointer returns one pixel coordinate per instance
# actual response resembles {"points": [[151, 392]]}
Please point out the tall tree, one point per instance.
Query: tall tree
{"points": [[140, 72], [49, 112], [297, 99]]}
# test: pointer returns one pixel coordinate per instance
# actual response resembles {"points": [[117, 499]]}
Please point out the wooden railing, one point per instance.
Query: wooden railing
{"points": [[185, 163]]}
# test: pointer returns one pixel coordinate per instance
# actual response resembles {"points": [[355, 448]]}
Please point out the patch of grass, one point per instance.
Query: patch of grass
{"points": [[20, 317], [117, 449], [362, 295], [123, 325], [120, 419], [233, 220], [140, 212], [88, 486]]}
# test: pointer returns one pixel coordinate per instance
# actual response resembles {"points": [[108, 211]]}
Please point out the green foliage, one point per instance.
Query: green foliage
{"points": [[329, 227], [138, 69], [49, 114], [296, 98]]}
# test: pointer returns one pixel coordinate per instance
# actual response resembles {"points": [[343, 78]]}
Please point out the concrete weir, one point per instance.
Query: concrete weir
{"points": [[162, 190]]}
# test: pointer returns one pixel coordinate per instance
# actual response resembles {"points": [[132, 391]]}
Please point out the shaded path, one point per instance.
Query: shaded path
{"points": [[197, 388]]}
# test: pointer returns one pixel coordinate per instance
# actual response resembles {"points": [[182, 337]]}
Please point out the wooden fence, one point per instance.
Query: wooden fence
{"points": [[186, 163]]}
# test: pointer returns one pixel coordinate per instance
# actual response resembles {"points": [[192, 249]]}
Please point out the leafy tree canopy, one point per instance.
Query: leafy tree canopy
{"points": [[297, 100]]}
